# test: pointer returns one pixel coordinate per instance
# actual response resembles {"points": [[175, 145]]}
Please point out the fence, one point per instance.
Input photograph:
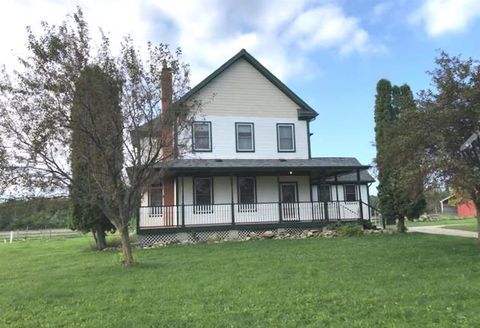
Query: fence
{"points": [[16, 235]]}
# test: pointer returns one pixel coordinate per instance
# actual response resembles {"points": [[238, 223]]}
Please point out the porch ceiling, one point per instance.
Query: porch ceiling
{"points": [[319, 169]]}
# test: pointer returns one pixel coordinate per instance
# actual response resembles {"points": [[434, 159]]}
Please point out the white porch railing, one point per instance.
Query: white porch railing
{"points": [[258, 213]]}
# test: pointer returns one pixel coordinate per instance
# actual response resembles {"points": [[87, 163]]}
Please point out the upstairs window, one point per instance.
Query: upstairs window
{"points": [[286, 137], [350, 193], [202, 136], [324, 193], [245, 137]]}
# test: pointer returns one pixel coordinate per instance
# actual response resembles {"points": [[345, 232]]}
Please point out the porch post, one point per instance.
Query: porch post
{"points": [[359, 194], [280, 218], [311, 195], [231, 194], [338, 200], [183, 202]]}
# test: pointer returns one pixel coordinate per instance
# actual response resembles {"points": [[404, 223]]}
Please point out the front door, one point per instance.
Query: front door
{"points": [[288, 198]]}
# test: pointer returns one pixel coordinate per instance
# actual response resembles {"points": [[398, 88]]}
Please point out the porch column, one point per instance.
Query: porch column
{"points": [[359, 194], [231, 194], [183, 202], [280, 218], [338, 199], [311, 195]]}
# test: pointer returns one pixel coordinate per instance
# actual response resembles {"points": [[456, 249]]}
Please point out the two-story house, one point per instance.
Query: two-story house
{"points": [[250, 165]]}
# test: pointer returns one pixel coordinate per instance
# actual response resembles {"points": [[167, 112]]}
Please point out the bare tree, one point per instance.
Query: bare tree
{"points": [[36, 113]]}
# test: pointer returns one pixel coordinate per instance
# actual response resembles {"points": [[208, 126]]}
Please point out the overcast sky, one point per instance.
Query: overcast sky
{"points": [[331, 53]]}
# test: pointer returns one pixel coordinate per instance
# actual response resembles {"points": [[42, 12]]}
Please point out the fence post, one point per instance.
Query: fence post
{"points": [[11, 237]]}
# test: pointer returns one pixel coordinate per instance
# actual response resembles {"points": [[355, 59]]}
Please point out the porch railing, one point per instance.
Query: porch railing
{"points": [[171, 216]]}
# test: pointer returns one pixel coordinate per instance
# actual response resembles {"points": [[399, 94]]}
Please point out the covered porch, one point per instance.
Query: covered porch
{"points": [[226, 193]]}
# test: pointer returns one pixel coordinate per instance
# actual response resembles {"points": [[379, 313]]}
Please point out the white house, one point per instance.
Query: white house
{"points": [[250, 165]]}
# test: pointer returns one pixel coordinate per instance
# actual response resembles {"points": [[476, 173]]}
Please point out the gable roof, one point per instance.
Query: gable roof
{"points": [[305, 111]]}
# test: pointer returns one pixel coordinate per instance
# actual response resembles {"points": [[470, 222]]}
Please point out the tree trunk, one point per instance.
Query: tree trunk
{"points": [[401, 225], [126, 247], [99, 236], [477, 206]]}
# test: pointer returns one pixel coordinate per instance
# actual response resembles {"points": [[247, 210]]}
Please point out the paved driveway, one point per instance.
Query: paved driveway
{"points": [[438, 230]]}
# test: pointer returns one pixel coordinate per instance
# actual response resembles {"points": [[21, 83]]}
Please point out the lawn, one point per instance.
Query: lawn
{"points": [[443, 220], [467, 227], [410, 280]]}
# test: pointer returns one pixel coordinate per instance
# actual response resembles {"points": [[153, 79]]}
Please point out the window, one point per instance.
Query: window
{"points": [[203, 195], [350, 193], [286, 137], [202, 136], [324, 194], [155, 200], [247, 196], [245, 137]]}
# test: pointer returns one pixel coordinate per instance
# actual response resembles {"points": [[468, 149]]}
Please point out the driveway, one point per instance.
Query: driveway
{"points": [[438, 230]]}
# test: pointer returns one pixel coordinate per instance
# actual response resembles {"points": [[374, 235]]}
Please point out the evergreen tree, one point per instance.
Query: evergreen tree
{"points": [[400, 173], [101, 93]]}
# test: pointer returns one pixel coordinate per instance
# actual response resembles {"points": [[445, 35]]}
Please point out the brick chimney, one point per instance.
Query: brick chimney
{"points": [[167, 115], [168, 138]]}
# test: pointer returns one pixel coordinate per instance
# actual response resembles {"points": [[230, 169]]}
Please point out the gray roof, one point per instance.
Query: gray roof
{"points": [[352, 177], [322, 166]]}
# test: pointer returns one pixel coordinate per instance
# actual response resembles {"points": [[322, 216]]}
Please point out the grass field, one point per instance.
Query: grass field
{"points": [[467, 227], [410, 280], [445, 220]]}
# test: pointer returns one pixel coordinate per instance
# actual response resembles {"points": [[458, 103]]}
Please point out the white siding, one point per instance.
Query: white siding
{"points": [[242, 90], [265, 139], [242, 94]]}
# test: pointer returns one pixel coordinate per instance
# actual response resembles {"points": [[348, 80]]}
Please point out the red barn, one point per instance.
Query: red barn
{"points": [[462, 209], [466, 208]]}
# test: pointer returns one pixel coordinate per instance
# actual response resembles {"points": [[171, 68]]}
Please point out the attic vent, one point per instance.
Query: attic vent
{"points": [[282, 160], [219, 160]]}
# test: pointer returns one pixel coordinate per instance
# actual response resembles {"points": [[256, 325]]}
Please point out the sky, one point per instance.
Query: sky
{"points": [[330, 52]]}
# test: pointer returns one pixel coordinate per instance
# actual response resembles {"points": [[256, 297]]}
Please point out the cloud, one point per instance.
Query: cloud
{"points": [[284, 35], [442, 16], [328, 27]]}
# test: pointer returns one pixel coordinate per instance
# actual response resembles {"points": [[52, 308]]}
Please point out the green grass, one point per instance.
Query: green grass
{"points": [[410, 280], [467, 227], [445, 220]]}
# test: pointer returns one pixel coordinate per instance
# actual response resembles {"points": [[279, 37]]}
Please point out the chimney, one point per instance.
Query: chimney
{"points": [[167, 127]]}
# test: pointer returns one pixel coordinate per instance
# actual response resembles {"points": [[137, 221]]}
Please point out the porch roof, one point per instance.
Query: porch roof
{"points": [[321, 168]]}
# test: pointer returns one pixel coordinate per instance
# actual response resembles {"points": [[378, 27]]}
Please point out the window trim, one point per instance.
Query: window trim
{"points": [[210, 141], [329, 191], [252, 150], [292, 125], [345, 192], [208, 207], [247, 207]]}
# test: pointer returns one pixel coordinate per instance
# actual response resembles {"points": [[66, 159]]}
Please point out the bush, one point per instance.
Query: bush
{"points": [[350, 230]]}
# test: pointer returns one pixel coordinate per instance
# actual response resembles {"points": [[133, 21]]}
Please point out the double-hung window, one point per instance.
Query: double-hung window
{"points": [[247, 196], [245, 137], [203, 195], [286, 137], [202, 136], [350, 192], [324, 193]]}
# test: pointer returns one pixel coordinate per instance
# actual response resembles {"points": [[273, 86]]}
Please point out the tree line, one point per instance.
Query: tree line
{"points": [[419, 139]]}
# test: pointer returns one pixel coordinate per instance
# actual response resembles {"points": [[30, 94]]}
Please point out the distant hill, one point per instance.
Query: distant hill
{"points": [[35, 213]]}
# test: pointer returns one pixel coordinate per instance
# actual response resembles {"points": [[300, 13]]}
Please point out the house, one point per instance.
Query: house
{"points": [[250, 166], [464, 208]]}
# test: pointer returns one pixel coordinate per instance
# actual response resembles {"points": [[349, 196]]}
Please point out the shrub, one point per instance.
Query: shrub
{"points": [[350, 230]]}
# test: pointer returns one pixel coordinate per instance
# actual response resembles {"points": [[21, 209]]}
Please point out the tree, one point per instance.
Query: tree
{"points": [[102, 93], [451, 113], [37, 103], [400, 172]]}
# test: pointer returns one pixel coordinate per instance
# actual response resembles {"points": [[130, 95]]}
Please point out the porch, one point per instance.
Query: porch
{"points": [[235, 214]]}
